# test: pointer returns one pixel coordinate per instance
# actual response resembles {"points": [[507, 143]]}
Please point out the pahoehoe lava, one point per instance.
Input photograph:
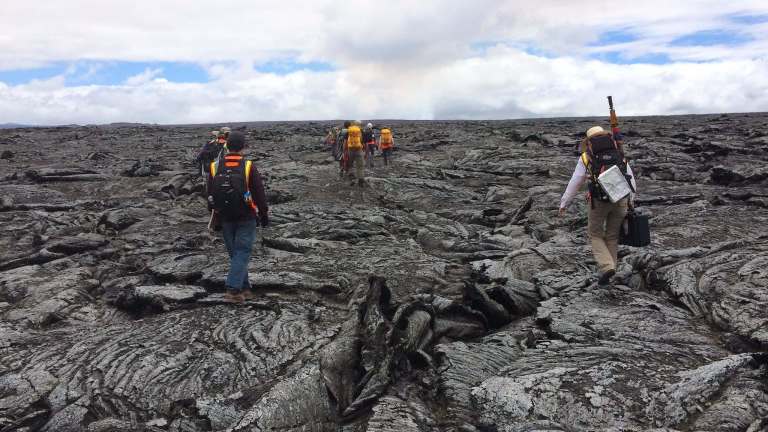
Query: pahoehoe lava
{"points": [[445, 295]]}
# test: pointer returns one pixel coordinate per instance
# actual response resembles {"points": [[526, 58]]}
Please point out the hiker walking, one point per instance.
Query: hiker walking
{"points": [[331, 137], [340, 151], [209, 152], [236, 195], [386, 144], [370, 144], [214, 137], [355, 150], [602, 150]]}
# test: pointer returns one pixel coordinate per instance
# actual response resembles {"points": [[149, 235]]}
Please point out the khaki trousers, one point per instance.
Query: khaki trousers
{"points": [[356, 157], [605, 221]]}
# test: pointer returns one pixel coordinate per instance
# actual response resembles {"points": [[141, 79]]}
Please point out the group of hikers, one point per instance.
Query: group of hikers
{"points": [[234, 189], [237, 201], [353, 144]]}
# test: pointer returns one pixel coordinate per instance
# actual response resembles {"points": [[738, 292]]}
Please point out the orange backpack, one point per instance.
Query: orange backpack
{"points": [[354, 138], [386, 139]]}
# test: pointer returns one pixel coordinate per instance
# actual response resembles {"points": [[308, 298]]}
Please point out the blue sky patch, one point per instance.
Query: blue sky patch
{"points": [[711, 38], [481, 48], [106, 72], [88, 72], [285, 67], [749, 19], [618, 57], [172, 71], [614, 37], [22, 76], [538, 52]]}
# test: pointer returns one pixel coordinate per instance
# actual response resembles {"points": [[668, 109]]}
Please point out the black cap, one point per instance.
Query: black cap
{"points": [[236, 141]]}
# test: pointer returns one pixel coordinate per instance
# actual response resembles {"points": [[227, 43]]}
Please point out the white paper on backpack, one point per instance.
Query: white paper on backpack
{"points": [[614, 184]]}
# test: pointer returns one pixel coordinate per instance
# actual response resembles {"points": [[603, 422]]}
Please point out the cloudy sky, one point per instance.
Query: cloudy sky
{"points": [[194, 61]]}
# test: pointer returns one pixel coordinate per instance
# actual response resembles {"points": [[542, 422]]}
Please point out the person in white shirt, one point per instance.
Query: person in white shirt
{"points": [[604, 218]]}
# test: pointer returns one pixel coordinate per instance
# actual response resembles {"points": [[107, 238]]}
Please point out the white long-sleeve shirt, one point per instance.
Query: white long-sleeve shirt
{"points": [[580, 176]]}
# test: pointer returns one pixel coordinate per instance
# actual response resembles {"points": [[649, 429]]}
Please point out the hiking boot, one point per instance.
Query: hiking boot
{"points": [[605, 278], [234, 296], [247, 294]]}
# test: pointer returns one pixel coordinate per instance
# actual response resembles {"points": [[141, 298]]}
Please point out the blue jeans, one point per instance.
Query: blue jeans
{"points": [[238, 238]]}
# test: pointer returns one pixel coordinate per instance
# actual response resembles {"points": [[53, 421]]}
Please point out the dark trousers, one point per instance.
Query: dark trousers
{"points": [[370, 150], [386, 154], [238, 238]]}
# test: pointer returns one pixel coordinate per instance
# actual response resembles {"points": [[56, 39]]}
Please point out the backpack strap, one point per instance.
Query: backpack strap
{"points": [[248, 165], [248, 175], [587, 165], [592, 179], [213, 168]]}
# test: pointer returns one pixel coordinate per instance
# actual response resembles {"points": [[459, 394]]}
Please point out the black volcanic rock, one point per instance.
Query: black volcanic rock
{"points": [[443, 295], [724, 176], [144, 168]]}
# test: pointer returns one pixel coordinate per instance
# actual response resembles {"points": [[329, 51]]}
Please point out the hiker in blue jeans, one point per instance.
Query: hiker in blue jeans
{"points": [[238, 239], [236, 195]]}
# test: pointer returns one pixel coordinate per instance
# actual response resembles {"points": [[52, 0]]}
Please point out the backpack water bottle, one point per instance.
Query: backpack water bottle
{"points": [[248, 199]]}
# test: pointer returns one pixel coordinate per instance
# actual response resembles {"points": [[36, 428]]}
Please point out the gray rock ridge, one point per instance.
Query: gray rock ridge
{"points": [[445, 295]]}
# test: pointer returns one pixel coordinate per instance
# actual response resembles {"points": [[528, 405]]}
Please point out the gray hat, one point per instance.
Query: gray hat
{"points": [[225, 129]]}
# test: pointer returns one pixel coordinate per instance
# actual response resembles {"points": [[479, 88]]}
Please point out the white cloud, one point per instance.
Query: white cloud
{"points": [[148, 75], [397, 58], [400, 31], [509, 83], [506, 83]]}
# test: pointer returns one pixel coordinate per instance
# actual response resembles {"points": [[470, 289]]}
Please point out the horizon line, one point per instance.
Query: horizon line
{"points": [[15, 125]]}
